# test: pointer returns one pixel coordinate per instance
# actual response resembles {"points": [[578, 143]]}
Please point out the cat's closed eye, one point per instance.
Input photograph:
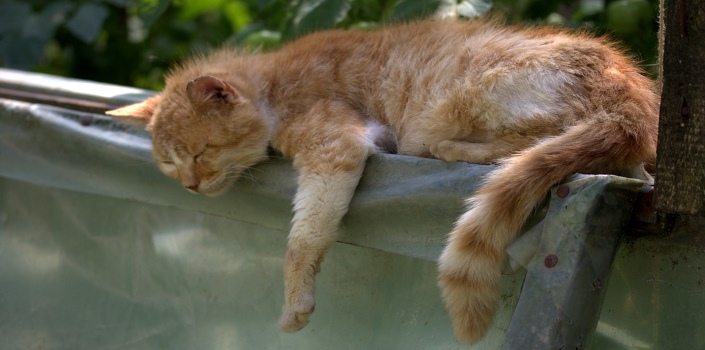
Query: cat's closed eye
{"points": [[198, 155], [205, 149]]}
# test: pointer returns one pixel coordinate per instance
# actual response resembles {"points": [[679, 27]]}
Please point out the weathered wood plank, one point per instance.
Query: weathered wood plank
{"points": [[680, 175]]}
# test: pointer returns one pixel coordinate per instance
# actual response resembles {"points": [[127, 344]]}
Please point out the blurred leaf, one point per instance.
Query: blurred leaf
{"points": [[43, 25], [407, 10], [87, 21], [240, 36], [264, 39], [312, 15], [151, 10], [628, 17], [473, 8], [261, 4], [118, 3], [365, 26], [20, 52], [13, 16], [591, 7], [25, 34], [57, 12], [194, 8], [237, 14]]}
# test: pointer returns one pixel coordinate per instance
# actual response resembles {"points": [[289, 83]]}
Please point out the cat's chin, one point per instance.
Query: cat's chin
{"points": [[211, 193], [215, 191], [215, 194], [217, 188]]}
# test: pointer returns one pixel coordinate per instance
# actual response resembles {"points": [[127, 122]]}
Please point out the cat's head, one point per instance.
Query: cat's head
{"points": [[205, 133]]}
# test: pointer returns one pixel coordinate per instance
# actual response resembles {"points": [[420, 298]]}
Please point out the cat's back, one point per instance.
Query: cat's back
{"points": [[475, 80], [487, 44], [367, 68], [437, 49], [408, 69]]}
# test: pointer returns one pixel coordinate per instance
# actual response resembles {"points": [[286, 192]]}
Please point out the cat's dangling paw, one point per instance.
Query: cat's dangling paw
{"points": [[295, 314]]}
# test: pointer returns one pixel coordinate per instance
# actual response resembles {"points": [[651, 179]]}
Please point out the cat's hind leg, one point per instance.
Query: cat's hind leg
{"points": [[333, 144], [480, 152]]}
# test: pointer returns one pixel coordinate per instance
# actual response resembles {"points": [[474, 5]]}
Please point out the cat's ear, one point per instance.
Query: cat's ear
{"points": [[208, 89], [138, 113]]}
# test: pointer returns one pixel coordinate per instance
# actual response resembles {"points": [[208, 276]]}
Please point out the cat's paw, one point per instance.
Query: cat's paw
{"points": [[454, 151], [441, 150], [295, 314]]}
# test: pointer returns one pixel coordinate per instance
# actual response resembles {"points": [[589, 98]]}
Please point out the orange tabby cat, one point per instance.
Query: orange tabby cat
{"points": [[544, 103]]}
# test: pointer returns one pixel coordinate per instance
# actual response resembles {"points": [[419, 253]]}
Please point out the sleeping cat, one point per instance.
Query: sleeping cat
{"points": [[542, 102]]}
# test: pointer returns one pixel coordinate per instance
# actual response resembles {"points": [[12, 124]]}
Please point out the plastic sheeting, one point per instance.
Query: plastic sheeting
{"points": [[101, 251]]}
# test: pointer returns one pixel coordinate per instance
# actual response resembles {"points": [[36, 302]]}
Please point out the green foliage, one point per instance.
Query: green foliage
{"points": [[133, 42], [410, 9], [309, 16], [27, 28], [632, 22]]}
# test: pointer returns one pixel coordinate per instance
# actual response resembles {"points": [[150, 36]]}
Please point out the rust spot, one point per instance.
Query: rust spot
{"points": [[550, 261], [86, 121], [562, 191]]}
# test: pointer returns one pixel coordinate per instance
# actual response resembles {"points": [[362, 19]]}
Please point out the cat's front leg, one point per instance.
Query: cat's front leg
{"points": [[320, 203], [330, 166]]}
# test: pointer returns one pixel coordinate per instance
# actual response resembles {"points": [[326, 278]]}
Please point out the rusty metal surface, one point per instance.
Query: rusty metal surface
{"points": [[568, 271]]}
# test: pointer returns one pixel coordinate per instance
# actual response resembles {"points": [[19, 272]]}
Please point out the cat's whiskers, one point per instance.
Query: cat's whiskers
{"points": [[247, 173], [275, 156], [139, 162], [250, 169]]}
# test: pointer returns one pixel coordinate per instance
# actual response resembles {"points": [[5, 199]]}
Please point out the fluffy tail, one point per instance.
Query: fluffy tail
{"points": [[470, 266]]}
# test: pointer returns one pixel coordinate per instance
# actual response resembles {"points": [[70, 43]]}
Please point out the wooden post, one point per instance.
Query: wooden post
{"points": [[680, 174]]}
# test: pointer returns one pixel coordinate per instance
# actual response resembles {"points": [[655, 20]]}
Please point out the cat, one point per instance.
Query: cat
{"points": [[543, 103]]}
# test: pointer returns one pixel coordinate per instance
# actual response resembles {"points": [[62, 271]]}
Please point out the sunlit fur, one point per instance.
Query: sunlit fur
{"points": [[543, 103]]}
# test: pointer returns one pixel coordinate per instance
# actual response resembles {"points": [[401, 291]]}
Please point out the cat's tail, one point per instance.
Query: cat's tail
{"points": [[470, 266]]}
